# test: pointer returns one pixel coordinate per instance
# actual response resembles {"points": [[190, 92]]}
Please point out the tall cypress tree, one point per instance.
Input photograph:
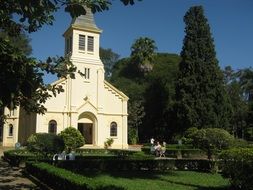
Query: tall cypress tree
{"points": [[200, 91]]}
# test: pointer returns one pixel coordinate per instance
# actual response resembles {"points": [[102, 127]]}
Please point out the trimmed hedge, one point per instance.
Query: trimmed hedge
{"points": [[45, 143], [115, 152], [136, 164], [237, 165], [174, 152], [17, 157], [61, 179]]}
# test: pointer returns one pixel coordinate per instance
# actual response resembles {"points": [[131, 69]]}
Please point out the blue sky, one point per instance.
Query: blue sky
{"points": [[231, 23]]}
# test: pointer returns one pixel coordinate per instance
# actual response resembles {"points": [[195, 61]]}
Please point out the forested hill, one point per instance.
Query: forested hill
{"points": [[151, 94]]}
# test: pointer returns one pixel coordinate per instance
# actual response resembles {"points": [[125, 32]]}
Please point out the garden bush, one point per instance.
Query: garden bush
{"points": [[178, 151], [136, 164], [237, 165], [45, 143], [210, 140], [108, 143], [103, 152], [72, 138], [17, 157], [61, 179]]}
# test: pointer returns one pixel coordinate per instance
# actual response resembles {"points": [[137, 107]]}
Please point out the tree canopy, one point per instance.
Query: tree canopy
{"points": [[201, 97], [239, 88], [151, 96], [109, 58]]}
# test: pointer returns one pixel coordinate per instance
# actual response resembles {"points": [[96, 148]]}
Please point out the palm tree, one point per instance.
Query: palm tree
{"points": [[143, 52]]}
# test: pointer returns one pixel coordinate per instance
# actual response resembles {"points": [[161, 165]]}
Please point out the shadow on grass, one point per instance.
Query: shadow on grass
{"points": [[129, 174], [151, 175], [198, 187]]}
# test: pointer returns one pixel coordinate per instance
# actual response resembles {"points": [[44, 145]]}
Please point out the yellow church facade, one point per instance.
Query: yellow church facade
{"points": [[89, 103]]}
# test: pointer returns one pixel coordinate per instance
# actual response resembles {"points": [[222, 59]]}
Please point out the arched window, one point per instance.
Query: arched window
{"points": [[52, 127], [10, 130], [113, 129]]}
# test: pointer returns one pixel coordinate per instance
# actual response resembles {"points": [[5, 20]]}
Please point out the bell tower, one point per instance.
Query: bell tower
{"points": [[82, 39], [82, 48]]}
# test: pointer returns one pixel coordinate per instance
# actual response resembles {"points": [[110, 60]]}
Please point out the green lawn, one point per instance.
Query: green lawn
{"points": [[174, 180]]}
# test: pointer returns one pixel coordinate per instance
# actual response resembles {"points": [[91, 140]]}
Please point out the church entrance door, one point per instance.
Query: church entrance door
{"points": [[87, 123], [86, 131]]}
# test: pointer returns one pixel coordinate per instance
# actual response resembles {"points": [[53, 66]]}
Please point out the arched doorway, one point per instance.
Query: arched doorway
{"points": [[86, 125]]}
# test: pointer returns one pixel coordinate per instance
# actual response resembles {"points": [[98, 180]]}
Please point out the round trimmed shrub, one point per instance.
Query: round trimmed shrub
{"points": [[211, 140], [72, 138], [237, 165], [45, 143]]}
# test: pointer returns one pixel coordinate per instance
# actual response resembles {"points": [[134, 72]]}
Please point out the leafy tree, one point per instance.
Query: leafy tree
{"points": [[202, 101], [22, 76], [236, 165], [22, 42], [239, 106], [109, 58], [45, 143], [136, 114], [159, 121], [134, 87], [152, 96], [246, 84], [72, 138], [142, 54], [210, 140]]}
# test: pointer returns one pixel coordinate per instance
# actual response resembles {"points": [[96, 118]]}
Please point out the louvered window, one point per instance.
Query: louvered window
{"points": [[82, 42], [90, 43]]}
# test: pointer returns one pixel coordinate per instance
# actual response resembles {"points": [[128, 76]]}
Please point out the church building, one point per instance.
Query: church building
{"points": [[89, 103]]}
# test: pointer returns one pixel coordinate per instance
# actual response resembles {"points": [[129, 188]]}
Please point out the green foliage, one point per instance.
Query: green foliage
{"points": [[245, 80], [58, 178], [159, 98], [172, 180], [179, 152], [210, 140], [109, 58], [21, 42], [108, 143], [142, 54], [103, 152], [202, 101], [45, 143], [136, 162], [237, 166], [19, 156], [240, 109], [132, 135], [72, 138], [152, 96]]}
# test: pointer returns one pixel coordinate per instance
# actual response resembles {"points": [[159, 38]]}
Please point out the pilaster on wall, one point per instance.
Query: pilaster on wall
{"points": [[100, 89]]}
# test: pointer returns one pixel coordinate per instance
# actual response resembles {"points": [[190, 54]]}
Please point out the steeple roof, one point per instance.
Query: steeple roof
{"points": [[85, 22]]}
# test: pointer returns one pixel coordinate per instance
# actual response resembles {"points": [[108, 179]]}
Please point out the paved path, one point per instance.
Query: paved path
{"points": [[11, 178]]}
